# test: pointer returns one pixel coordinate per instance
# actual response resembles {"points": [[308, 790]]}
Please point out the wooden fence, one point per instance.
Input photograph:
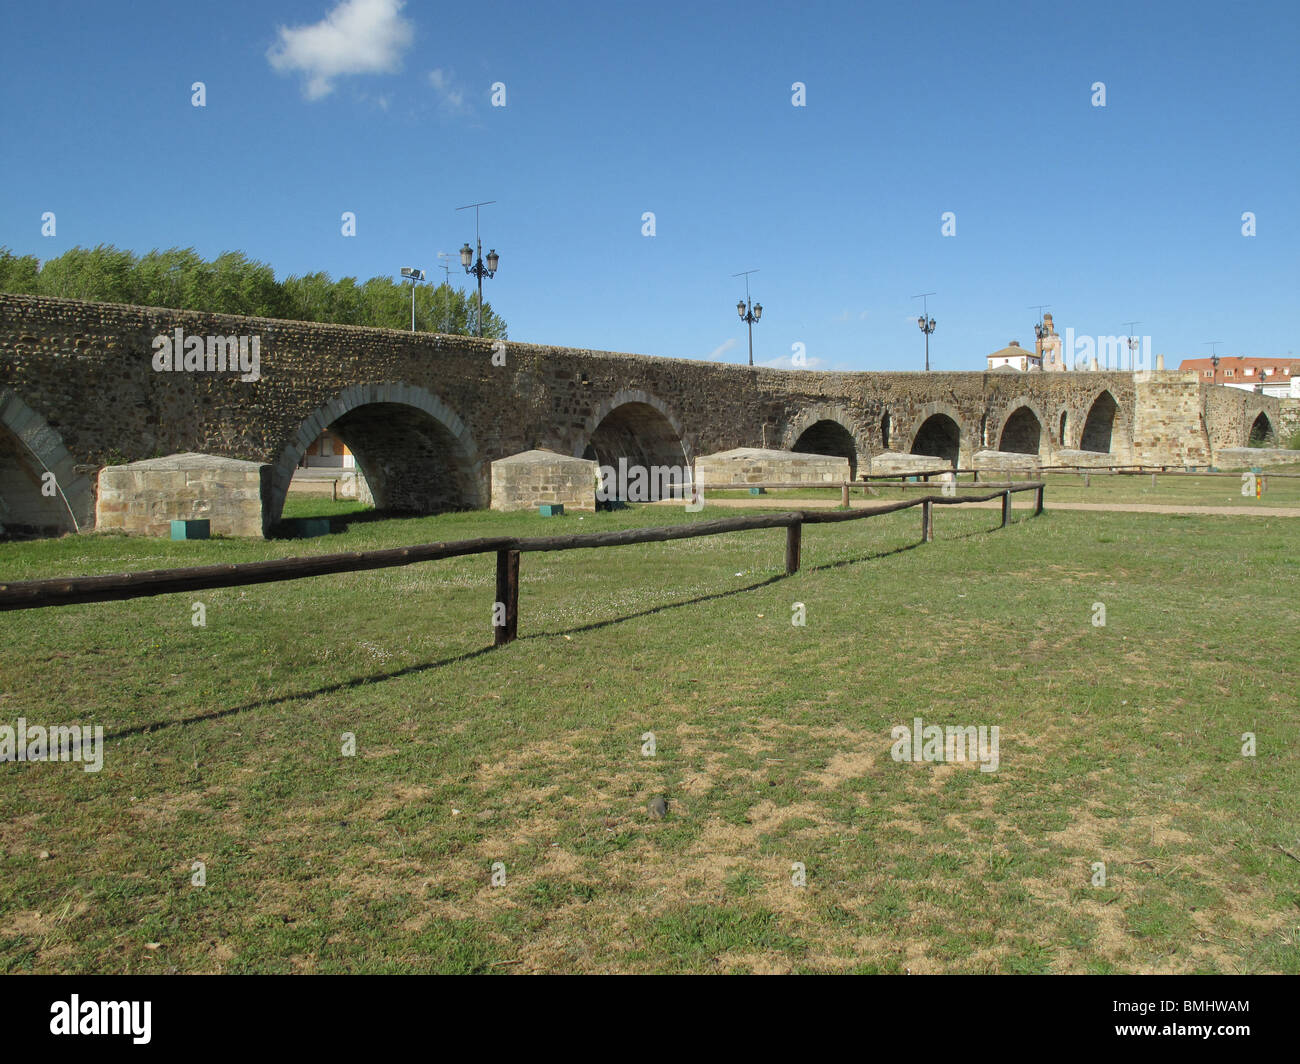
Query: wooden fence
{"points": [[66, 591]]}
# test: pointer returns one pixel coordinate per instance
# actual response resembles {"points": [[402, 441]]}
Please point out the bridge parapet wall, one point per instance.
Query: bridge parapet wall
{"points": [[87, 369]]}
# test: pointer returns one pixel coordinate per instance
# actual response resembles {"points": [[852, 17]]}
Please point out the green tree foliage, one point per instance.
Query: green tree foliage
{"points": [[235, 284], [18, 273]]}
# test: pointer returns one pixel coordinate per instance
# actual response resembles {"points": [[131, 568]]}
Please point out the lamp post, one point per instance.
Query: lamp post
{"points": [[1133, 343], [749, 312], [927, 327], [1041, 334], [475, 266], [415, 276], [1213, 345], [926, 324]]}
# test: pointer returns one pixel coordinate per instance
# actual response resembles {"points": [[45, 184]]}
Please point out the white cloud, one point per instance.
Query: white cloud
{"points": [[450, 96], [721, 350], [355, 37], [787, 362]]}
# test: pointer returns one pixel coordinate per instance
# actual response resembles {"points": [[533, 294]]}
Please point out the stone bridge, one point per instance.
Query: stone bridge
{"points": [[426, 414]]}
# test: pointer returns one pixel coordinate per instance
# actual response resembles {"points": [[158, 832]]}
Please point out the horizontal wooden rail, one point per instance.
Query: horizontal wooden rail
{"points": [[1136, 471], [67, 591]]}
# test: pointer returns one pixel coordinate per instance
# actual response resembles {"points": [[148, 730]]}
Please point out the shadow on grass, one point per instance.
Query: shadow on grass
{"points": [[414, 670], [287, 527], [334, 688]]}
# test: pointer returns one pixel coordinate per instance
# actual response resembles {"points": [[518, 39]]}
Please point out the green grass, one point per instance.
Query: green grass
{"points": [[1119, 744]]}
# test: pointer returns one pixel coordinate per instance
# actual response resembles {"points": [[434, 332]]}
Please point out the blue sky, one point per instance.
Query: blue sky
{"points": [[1131, 211]]}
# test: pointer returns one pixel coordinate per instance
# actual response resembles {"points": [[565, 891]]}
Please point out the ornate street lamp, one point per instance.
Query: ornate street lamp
{"points": [[1213, 345], [475, 265], [927, 327], [749, 312], [926, 324]]}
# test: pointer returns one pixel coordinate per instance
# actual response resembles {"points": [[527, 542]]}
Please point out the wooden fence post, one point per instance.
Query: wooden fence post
{"points": [[1038, 499], [927, 521], [793, 538], [844, 496], [507, 596], [1006, 508]]}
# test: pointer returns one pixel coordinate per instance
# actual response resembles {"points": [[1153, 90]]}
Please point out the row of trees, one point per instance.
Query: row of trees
{"points": [[234, 284]]}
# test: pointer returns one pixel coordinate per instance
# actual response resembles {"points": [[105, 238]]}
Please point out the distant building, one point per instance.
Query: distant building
{"points": [[1015, 357], [1236, 371], [328, 451]]}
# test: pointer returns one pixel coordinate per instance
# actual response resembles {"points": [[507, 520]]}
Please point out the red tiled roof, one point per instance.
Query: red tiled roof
{"points": [[1279, 364]]}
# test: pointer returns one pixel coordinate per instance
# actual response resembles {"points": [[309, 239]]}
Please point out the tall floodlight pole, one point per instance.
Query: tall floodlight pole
{"points": [[749, 312], [478, 269], [1133, 343], [926, 323], [415, 275]]}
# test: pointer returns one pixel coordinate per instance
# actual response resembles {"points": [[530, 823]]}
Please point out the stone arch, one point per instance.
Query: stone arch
{"points": [[809, 416], [829, 437], [640, 429], [1062, 426], [939, 432], [884, 428], [1262, 431], [1024, 429], [30, 448], [633, 397], [1099, 426], [416, 453]]}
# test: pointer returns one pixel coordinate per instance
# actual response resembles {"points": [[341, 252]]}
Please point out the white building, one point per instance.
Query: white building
{"points": [[1013, 356]]}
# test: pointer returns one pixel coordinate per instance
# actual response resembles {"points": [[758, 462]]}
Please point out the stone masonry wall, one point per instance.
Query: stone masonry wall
{"points": [[145, 497], [1169, 419], [759, 466], [526, 481], [449, 409]]}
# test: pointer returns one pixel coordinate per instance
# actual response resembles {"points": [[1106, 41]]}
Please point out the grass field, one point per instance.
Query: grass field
{"points": [[1119, 744]]}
